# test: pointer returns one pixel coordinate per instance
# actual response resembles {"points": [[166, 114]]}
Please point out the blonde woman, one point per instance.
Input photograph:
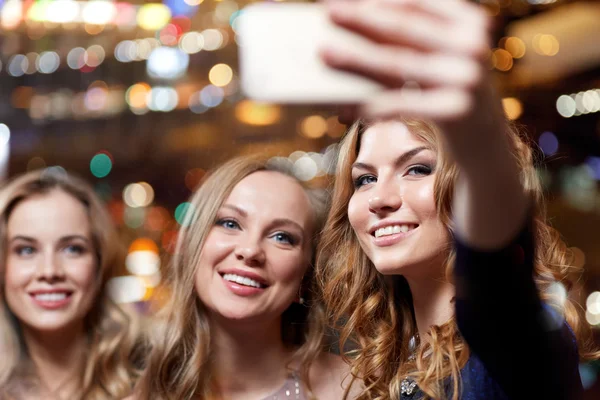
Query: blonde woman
{"points": [[436, 253], [242, 322], [61, 336]]}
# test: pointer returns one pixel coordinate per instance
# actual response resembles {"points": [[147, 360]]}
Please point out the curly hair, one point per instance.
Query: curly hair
{"points": [[180, 364], [374, 313], [110, 366]]}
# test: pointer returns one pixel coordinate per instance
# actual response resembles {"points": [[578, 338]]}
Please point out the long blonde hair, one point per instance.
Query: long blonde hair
{"points": [[109, 371], [179, 366], [376, 316]]}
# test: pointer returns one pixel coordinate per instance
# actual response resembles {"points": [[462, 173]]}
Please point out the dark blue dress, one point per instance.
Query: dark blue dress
{"points": [[520, 348]]}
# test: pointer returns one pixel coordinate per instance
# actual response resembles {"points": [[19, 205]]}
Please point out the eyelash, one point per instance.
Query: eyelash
{"points": [[72, 248], [289, 239], [421, 169]]}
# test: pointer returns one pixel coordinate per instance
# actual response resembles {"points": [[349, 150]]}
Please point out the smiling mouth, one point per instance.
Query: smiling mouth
{"points": [[243, 280], [393, 230], [51, 297]]}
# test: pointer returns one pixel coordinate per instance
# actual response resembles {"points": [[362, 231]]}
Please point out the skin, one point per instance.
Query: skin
{"points": [[49, 247], [433, 67], [265, 227]]}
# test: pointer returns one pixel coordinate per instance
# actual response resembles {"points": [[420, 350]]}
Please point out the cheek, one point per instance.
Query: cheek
{"points": [[356, 212], [422, 200], [17, 274]]}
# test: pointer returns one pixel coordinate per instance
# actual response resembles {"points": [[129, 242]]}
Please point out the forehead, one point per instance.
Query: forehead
{"points": [[272, 195], [385, 140], [55, 213]]}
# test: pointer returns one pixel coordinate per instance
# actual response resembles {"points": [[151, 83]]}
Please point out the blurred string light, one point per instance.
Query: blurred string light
{"points": [[592, 313], [548, 142], [157, 219], [153, 16], [576, 104], [139, 194], [134, 217], [162, 99], [514, 45], [101, 164], [143, 257], [545, 44], [220, 75], [211, 96], [182, 211], [513, 108], [578, 187], [180, 7], [126, 289], [258, 114], [313, 126], [502, 60], [167, 63]]}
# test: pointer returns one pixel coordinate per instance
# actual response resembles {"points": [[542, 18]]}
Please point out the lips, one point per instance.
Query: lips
{"points": [[245, 278], [51, 299]]}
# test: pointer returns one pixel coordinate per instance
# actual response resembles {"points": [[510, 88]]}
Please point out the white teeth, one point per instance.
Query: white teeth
{"points": [[242, 280], [390, 230], [50, 296]]}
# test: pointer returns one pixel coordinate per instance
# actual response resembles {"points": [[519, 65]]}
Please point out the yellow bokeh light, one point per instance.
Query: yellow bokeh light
{"points": [[136, 95], [313, 126], [512, 107], [515, 46], [258, 114], [546, 45], [220, 75], [153, 16], [334, 128], [502, 60]]}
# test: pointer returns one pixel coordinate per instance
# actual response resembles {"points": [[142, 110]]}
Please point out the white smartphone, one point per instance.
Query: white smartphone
{"points": [[279, 60]]}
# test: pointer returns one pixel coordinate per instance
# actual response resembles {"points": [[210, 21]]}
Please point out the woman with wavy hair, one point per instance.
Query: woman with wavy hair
{"points": [[61, 335], [436, 260], [242, 322]]}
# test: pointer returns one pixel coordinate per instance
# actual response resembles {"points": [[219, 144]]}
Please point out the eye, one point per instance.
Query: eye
{"points": [[364, 180], [74, 249], [419, 170], [24, 251], [285, 238], [228, 223]]}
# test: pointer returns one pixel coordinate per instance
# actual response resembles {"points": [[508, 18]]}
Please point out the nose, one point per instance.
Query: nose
{"points": [[385, 197], [50, 269], [250, 252]]}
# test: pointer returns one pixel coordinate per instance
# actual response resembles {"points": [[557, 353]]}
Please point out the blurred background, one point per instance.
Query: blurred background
{"points": [[141, 98]]}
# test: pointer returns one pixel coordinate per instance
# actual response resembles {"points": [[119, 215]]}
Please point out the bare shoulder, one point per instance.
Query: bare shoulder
{"points": [[330, 376]]}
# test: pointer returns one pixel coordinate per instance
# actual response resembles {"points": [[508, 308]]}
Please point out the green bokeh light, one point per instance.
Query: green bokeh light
{"points": [[181, 211], [101, 165]]}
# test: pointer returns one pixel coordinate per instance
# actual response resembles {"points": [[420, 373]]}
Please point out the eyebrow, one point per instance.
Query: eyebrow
{"points": [[62, 239], [404, 157], [278, 221]]}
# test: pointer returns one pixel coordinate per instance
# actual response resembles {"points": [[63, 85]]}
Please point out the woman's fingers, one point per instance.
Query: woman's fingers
{"points": [[401, 22], [441, 105], [393, 66]]}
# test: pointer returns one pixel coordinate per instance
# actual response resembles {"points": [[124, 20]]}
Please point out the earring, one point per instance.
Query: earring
{"points": [[301, 300]]}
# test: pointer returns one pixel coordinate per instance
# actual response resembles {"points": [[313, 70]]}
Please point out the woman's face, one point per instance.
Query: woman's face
{"points": [[258, 251], [392, 209], [50, 262]]}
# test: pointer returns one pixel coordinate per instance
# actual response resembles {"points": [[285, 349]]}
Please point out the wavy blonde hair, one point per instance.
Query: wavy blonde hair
{"points": [[375, 314], [109, 371], [179, 366]]}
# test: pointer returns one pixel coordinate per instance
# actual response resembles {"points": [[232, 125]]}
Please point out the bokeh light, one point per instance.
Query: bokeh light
{"points": [[101, 165], [220, 75], [548, 143], [182, 211]]}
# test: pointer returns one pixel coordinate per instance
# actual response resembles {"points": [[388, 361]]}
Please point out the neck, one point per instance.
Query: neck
{"points": [[57, 356], [432, 302], [249, 359]]}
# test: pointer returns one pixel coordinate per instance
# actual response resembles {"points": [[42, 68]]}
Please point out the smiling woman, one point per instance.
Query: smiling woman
{"points": [[62, 337], [242, 322]]}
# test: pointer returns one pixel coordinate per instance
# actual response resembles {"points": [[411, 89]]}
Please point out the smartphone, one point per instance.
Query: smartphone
{"points": [[279, 60]]}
